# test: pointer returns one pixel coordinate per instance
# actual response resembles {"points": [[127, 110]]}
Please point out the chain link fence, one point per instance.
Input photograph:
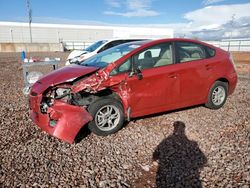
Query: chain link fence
{"points": [[232, 45], [228, 45]]}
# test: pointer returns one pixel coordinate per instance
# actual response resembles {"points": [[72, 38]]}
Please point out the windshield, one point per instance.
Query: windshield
{"points": [[106, 57], [96, 45]]}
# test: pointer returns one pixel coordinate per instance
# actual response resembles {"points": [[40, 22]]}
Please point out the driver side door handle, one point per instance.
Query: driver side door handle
{"points": [[209, 67], [173, 76]]}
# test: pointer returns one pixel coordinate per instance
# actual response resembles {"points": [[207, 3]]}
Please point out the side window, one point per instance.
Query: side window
{"points": [[210, 52], [155, 52], [114, 43], [124, 67], [107, 46], [118, 42], [156, 56], [188, 51]]}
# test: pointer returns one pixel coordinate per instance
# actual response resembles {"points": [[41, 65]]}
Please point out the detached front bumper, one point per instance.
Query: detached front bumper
{"points": [[63, 120]]}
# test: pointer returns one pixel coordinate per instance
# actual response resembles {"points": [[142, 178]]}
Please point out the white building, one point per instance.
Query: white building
{"points": [[17, 32]]}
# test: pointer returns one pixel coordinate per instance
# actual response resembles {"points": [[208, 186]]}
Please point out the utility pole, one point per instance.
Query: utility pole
{"points": [[231, 34], [29, 10], [11, 35]]}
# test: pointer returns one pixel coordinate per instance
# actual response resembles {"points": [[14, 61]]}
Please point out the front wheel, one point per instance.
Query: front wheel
{"points": [[217, 95], [108, 116]]}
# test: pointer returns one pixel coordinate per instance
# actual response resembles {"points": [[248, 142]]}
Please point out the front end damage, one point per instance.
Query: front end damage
{"points": [[62, 120], [61, 110]]}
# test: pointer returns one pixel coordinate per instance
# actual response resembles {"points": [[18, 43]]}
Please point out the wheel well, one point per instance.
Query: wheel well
{"points": [[108, 93], [223, 80], [85, 99]]}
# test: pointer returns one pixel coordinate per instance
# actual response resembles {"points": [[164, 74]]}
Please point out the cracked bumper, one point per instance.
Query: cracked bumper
{"points": [[68, 120]]}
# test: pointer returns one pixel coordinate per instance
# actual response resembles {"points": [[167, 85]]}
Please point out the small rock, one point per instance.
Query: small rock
{"points": [[126, 166], [145, 168], [155, 163], [102, 183]]}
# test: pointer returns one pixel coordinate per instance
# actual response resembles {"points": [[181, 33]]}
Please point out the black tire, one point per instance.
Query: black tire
{"points": [[211, 103], [96, 108]]}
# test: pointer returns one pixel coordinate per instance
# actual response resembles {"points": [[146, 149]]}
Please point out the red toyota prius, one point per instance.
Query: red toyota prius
{"points": [[131, 80]]}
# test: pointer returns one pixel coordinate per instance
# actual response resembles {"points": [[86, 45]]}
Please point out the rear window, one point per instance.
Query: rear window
{"points": [[188, 51]]}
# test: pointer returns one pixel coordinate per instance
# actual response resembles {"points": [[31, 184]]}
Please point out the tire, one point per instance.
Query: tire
{"points": [[108, 116], [217, 95]]}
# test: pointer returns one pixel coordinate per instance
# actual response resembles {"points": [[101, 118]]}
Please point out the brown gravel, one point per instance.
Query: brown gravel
{"points": [[241, 57], [207, 148]]}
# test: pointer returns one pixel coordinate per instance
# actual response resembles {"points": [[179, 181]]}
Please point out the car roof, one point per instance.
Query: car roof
{"points": [[138, 42], [147, 43], [157, 41], [115, 39]]}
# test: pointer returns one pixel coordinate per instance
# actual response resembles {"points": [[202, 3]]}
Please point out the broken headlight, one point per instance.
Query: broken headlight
{"points": [[50, 97], [61, 92], [46, 103], [74, 60]]}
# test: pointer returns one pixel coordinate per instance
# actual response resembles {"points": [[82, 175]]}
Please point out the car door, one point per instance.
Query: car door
{"points": [[193, 72], [156, 87]]}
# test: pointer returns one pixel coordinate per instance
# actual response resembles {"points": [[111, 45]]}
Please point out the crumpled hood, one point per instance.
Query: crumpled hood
{"points": [[66, 74]]}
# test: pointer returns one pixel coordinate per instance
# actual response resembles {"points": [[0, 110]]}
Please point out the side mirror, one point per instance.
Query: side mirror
{"points": [[130, 74], [139, 74], [136, 72]]}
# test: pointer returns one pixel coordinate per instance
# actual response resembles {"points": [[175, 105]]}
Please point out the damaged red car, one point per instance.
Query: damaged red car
{"points": [[131, 80]]}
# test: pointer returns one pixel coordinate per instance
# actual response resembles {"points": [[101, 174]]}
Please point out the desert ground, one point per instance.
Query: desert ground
{"points": [[212, 147]]}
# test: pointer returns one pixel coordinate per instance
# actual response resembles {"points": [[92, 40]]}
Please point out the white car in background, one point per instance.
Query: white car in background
{"points": [[77, 56]]}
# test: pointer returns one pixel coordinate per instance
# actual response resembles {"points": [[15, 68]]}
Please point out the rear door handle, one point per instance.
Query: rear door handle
{"points": [[209, 67], [174, 76]]}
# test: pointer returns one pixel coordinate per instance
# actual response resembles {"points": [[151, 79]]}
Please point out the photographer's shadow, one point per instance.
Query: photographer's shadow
{"points": [[180, 160]]}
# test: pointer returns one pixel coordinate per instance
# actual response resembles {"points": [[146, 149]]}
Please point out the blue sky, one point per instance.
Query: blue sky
{"points": [[164, 12], [188, 15]]}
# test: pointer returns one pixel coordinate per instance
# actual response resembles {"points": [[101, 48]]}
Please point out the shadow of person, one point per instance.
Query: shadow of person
{"points": [[179, 160]]}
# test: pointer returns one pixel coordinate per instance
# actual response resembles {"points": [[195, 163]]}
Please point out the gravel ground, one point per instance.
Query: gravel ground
{"points": [[190, 147]]}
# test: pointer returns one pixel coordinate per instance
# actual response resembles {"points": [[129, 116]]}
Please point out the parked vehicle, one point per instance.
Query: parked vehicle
{"points": [[77, 56], [131, 80]]}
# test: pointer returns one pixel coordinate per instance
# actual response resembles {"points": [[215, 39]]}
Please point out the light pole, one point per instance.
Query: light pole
{"points": [[11, 35], [231, 34], [30, 17]]}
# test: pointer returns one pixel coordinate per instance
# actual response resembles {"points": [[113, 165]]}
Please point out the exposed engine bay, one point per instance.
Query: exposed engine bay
{"points": [[81, 92]]}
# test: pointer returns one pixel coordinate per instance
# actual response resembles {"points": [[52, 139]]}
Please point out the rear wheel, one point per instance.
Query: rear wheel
{"points": [[217, 95], [108, 116]]}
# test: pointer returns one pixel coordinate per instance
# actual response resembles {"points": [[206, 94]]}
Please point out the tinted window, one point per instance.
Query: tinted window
{"points": [[210, 52], [96, 45], [187, 51], [115, 43], [118, 42], [105, 47], [132, 40], [110, 45], [155, 56]]}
